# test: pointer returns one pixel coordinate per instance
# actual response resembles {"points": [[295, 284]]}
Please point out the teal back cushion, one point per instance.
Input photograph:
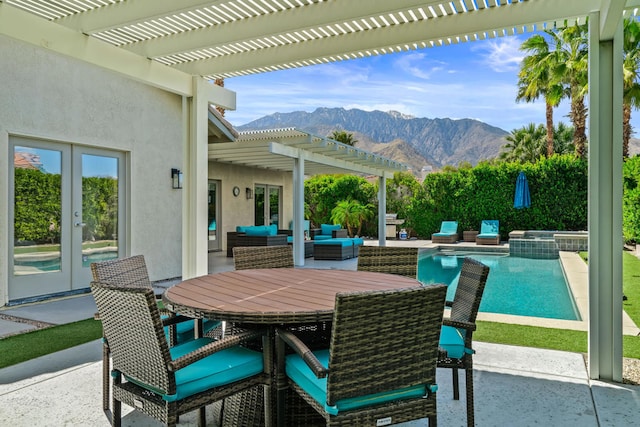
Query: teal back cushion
{"points": [[489, 226], [449, 227], [328, 228]]}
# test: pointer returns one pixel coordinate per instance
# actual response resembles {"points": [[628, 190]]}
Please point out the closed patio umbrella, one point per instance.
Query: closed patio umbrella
{"points": [[522, 197]]}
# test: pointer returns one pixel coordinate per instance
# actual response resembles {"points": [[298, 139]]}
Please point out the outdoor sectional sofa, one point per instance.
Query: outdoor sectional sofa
{"points": [[255, 235], [332, 243]]}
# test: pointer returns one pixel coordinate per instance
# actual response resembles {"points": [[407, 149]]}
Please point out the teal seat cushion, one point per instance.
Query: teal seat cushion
{"points": [[452, 340], [299, 372], [327, 229], [289, 239], [487, 235], [336, 242], [241, 228], [319, 237], [223, 367], [444, 234], [184, 330], [357, 241]]}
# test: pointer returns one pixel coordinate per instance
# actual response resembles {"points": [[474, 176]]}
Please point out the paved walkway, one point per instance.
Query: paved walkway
{"points": [[515, 386]]}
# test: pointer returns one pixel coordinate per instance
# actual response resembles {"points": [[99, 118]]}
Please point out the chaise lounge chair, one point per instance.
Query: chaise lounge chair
{"points": [[489, 232], [448, 233]]}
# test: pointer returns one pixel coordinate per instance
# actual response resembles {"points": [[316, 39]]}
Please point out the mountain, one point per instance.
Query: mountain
{"points": [[419, 142]]}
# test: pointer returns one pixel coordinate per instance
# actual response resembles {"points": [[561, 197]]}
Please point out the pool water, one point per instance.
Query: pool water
{"points": [[516, 286]]}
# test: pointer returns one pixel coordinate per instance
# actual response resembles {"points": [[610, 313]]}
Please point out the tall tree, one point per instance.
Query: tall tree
{"points": [[631, 87], [534, 80], [571, 70]]}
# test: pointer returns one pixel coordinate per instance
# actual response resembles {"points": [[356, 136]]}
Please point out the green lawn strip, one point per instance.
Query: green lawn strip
{"points": [[27, 346], [549, 338]]}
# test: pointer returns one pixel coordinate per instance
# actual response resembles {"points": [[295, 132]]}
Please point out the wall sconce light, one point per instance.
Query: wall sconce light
{"points": [[176, 178], [249, 193]]}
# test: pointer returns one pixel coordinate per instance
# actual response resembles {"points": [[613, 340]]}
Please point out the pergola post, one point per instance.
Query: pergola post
{"points": [[298, 209], [382, 210], [605, 201]]}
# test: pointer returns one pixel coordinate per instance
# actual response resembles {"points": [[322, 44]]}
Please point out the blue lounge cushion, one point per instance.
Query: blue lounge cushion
{"points": [[289, 239], [452, 340], [241, 228], [357, 241], [487, 235], [299, 372], [212, 225], [327, 229], [344, 242], [218, 369]]}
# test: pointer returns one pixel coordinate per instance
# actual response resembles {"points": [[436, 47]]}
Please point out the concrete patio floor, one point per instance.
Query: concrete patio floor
{"points": [[514, 386]]}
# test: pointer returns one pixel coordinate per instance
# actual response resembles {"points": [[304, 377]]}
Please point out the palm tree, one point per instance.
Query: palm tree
{"points": [[631, 88], [351, 214], [344, 137], [563, 139], [571, 70], [534, 80], [526, 144]]}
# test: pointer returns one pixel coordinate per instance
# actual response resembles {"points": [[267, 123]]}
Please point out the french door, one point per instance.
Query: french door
{"points": [[67, 208], [214, 215], [267, 205]]}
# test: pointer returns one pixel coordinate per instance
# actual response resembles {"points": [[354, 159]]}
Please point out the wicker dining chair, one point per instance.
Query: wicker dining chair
{"points": [[456, 350], [165, 382], [388, 259], [247, 257], [131, 272], [371, 369]]}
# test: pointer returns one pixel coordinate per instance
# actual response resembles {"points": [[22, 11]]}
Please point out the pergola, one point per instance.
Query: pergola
{"points": [[180, 45]]}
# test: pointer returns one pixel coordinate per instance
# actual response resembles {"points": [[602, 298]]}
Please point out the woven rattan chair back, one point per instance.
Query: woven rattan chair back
{"points": [[389, 259], [466, 302], [123, 272], [369, 356], [140, 352], [248, 257]]}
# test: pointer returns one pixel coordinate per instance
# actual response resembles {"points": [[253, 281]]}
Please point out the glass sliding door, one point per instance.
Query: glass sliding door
{"points": [[66, 212]]}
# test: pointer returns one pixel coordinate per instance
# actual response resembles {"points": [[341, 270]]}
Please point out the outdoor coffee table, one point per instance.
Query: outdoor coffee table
{"points": [[274, 297]]}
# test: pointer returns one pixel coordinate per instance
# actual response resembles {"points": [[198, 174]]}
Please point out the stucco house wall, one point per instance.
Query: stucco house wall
{"points": [[48, 96]]}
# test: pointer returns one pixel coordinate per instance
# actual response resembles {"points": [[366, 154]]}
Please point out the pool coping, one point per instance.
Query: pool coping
{"points": [[577, 275]]}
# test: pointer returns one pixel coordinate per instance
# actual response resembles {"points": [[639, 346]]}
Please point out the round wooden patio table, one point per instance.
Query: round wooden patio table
{"points": [[274, 297]]}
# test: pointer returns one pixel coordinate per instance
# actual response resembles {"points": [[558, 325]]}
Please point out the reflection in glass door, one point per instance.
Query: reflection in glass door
{"points": [[65, 210], [214, 215], [95, 210]]}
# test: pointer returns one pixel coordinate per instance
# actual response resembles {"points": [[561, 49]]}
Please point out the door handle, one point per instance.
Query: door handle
{"points": [[79, 224]]}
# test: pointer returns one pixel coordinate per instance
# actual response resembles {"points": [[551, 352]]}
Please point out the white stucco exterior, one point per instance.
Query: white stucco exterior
{"points": [[48, 96]]}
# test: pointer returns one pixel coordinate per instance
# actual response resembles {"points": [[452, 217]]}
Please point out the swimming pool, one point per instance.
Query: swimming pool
{"points": [[516, 286]]}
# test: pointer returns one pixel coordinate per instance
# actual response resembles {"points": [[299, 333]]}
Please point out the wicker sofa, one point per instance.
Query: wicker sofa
{"points": [[255, 235]]}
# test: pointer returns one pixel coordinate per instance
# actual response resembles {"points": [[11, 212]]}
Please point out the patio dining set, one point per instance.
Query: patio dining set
{"points": [[270, 344]]}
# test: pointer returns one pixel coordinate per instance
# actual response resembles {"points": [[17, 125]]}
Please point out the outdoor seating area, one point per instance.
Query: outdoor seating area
{"points": [[553, 387]]}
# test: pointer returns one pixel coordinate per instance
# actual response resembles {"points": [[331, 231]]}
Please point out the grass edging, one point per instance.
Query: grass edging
{"points": [[20, 348]]}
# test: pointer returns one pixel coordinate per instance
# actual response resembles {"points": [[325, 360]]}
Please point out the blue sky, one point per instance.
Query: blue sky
{"points": [[470, 80]]}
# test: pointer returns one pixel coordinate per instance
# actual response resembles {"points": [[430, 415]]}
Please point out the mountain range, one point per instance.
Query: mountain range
{"points": [[421, 143]]}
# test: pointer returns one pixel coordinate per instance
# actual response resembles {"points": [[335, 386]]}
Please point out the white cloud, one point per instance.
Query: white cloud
{"points": [[417, 65], [501, 55]]}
